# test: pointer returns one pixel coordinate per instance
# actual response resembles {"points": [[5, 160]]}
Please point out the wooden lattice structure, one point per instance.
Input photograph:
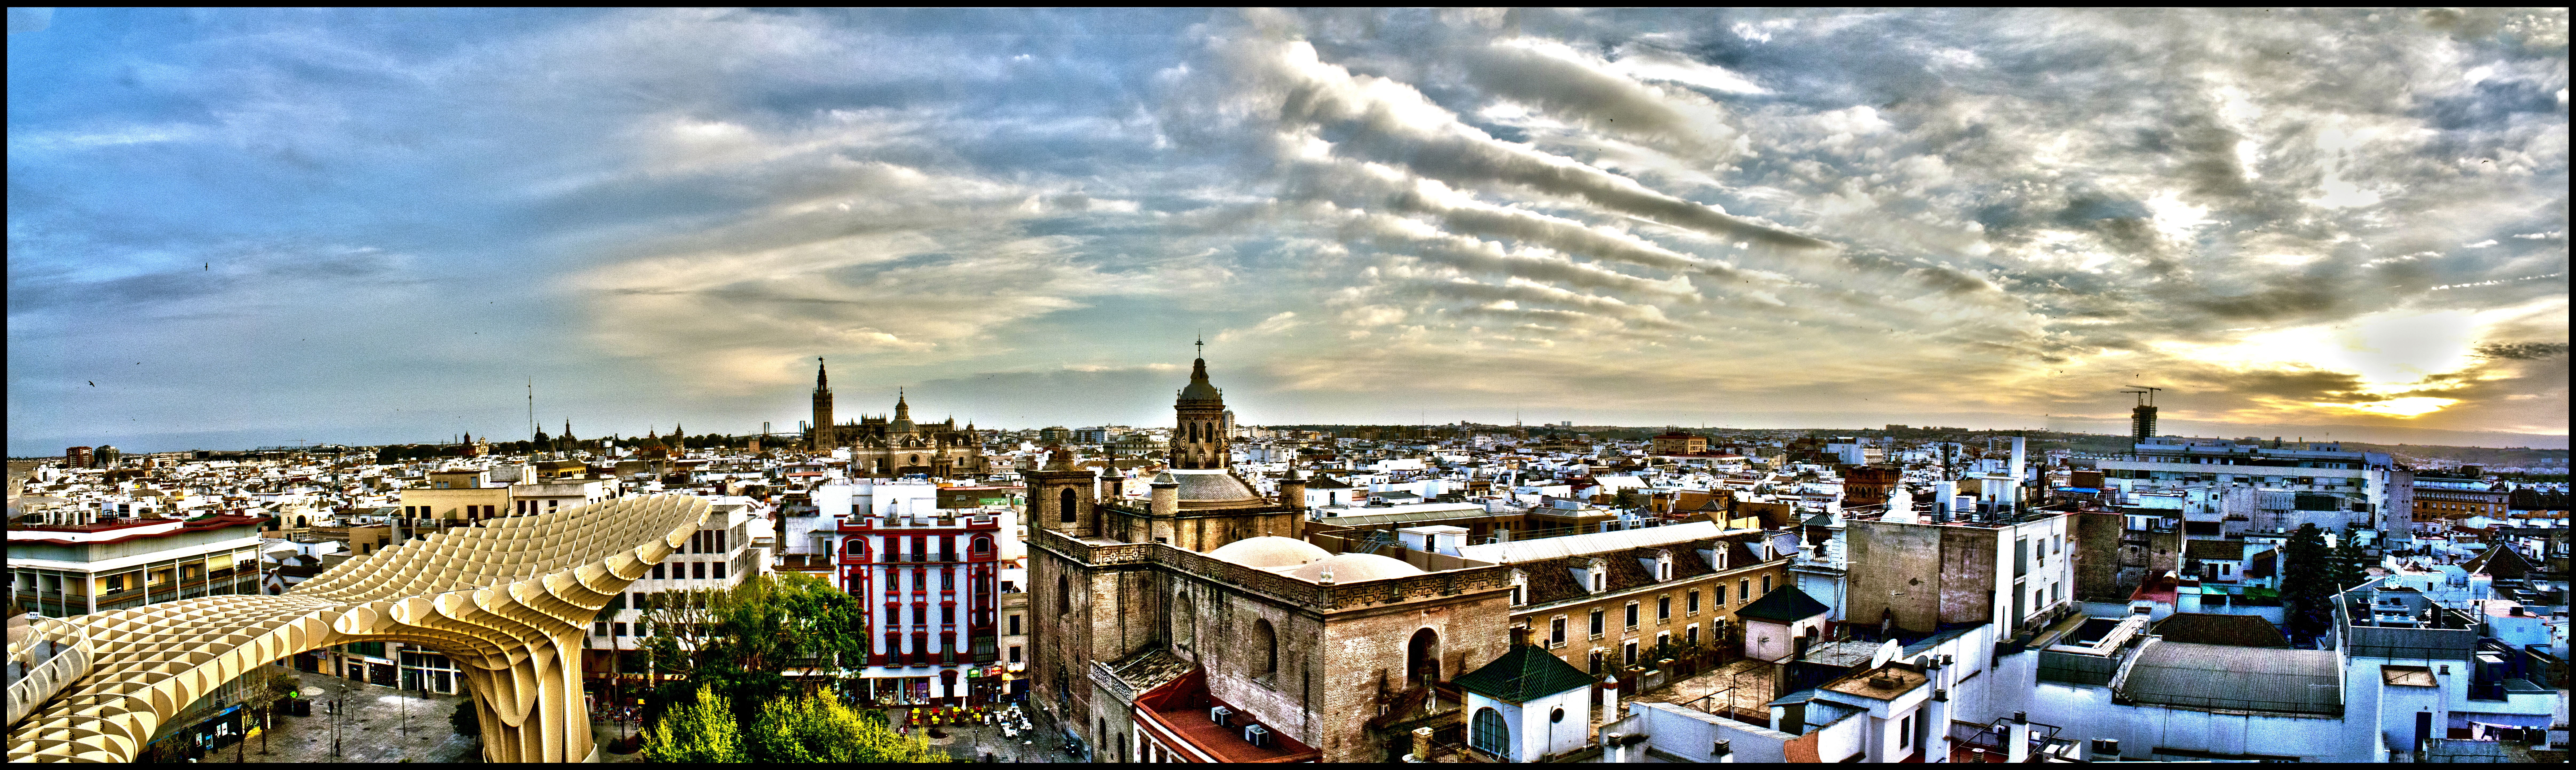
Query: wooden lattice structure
{"points": [[508, 599]]}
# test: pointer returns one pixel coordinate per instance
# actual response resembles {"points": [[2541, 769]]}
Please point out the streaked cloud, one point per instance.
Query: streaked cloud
{"points": [[2287, 217]]}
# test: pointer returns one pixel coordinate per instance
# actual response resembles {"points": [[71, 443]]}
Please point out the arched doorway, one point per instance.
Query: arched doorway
{"points": [[1422, 659]]}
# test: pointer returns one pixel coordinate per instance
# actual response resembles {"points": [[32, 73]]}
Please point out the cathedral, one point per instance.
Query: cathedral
{"points": [[1206, 604], [880, 446]]}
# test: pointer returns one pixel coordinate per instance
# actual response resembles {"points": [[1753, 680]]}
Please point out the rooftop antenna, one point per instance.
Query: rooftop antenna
{"points": [[532, 407], [1202, 344]]}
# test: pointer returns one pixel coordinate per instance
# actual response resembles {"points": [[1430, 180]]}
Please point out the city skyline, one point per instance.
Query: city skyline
{"points": [[236, 228]]}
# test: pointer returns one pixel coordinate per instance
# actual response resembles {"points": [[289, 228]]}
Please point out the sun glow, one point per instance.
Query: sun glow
{"points": [[2412, 406], [2388, 353]]}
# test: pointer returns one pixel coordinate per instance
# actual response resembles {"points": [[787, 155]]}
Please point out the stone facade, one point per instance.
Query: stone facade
{"points": [[1125, 598]]}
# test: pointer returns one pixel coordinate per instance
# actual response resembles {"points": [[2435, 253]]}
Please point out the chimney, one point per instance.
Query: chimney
{"points": [[1520, 637], [2017, 738], [1421, 745], [1722, 751], [1167, 499], [1944, 495]]}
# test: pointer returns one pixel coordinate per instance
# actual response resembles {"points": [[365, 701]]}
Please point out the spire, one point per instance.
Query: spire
{"points": [[821, 381], [902, 411]]}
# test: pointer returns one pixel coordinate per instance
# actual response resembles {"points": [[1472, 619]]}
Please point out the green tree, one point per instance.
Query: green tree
{"points": [[465, 720], [818, 728], [2307, 582], [2350, 567], [743, 639], [702, 731]]}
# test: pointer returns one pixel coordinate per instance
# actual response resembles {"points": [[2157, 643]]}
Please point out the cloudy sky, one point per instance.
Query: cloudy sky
{"points": [[259, 227]]}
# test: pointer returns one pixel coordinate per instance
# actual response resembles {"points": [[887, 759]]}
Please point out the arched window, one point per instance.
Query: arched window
{"points": [[1422, 658], [983, 544], [1488, 733], [1064, 507], [1063, 596], [1265, 643]]}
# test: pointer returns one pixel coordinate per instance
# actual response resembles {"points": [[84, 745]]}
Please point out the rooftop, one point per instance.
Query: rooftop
{"points": [[1525, 674], [2222, 677], [1885, 683]]}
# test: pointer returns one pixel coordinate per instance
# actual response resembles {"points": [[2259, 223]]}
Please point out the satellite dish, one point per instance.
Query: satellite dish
{"points": [[1886, 652]]}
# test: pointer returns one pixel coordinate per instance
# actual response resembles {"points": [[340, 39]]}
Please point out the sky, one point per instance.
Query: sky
{"points": [[237, 227]]}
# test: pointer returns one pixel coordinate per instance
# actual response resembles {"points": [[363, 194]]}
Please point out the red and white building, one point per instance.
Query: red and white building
{"points": [[931, 577]]}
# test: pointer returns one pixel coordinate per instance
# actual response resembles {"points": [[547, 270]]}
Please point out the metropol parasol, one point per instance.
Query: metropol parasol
{"points": [[508, 599]]}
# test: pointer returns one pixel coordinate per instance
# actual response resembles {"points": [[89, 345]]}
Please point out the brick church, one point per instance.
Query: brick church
{"points": [[1198, 625]]}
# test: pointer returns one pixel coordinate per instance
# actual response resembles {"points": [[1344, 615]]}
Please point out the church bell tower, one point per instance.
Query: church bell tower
{"points": [[1198, 437], [823, 438]]}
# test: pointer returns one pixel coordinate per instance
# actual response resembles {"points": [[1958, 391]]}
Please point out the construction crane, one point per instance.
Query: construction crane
{"points": [[2142, 419]]}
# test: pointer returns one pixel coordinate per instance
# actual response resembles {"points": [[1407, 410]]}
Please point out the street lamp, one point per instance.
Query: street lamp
{"points": [[338, 695]]}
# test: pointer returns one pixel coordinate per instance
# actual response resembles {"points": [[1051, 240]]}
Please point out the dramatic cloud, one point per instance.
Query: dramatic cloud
{"points": [[379, 225]]}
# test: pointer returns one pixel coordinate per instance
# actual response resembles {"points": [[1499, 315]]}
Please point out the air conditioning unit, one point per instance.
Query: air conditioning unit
{"points": [[1257, 736], [1218, 714]]}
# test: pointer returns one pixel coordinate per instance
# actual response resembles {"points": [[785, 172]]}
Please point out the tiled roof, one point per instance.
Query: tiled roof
{"points": [[1525, 674], [1550, 581], [1784, 604]]}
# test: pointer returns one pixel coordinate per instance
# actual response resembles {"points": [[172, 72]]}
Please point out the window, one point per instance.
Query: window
{"points": [[1265, 643], [1690, 636], [1744, 589], [1597, 583], [983, 545], [948, 615], [1015, 627], [1692, 604], [1556, 632], [1905, 733], [720, 570], [1064, 507], [1063, 596], [1488, 734], [1766, 585], [1632, 615], [947, 580], [698, 570], [1663, 608], [1516, 596], [617, 629], [1015, 653], [1721, 595], [599, 628], [1628, 654], [1596, 624]]}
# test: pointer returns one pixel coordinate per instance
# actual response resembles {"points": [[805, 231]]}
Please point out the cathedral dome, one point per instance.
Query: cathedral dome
{"points": [[1213, 485], [1270, 552], [1355, 567], [1199, 389]]}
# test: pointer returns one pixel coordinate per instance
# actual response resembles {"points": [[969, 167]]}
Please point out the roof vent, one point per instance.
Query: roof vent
{"points": [[1257, 736], [1219, 714]]}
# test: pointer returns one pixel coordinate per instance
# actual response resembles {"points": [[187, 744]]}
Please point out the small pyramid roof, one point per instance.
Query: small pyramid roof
{"points": [[1786, 605], [1525, 674]]}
